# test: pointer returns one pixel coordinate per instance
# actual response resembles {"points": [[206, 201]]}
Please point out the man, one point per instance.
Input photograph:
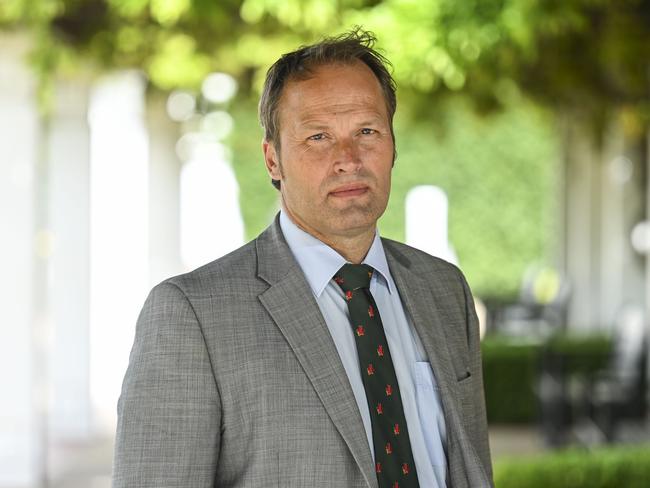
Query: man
{"points": [[318, 355]]}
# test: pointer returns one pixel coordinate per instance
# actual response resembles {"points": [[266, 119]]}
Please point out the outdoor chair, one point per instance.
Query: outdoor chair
{"points": [[619, 392], [587, 404]]}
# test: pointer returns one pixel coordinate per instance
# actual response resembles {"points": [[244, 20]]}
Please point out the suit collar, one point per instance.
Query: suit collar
{"points": [[322, 262], [318, 261], [274, 259]]}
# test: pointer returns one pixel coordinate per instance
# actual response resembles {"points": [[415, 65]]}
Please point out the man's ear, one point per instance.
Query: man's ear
{"points": [[271, 160]]}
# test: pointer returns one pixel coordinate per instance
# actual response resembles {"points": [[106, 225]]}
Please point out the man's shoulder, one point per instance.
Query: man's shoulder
{"points": [[238, 266], [246, 271]]}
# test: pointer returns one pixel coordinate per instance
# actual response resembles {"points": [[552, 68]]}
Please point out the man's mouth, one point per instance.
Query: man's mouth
{"points": [[352, 190]]}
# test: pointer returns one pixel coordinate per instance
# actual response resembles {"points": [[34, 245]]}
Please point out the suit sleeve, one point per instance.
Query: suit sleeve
{"points": [[169, 413], [476, 365]]}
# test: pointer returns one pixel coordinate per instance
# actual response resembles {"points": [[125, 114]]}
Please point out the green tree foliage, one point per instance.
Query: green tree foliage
{"points": [[580, 54], [586, 57]]}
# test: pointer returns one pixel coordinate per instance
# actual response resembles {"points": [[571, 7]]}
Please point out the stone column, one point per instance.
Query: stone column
{"points": [[119, 259], [581, 229], [604, 192], [22, 407], [164, 192], [69, 217], [647, 274], [623, 190]]}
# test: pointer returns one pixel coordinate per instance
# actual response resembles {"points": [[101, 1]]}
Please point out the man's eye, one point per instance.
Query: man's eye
{"points": [[367, 131], [317, 137]]}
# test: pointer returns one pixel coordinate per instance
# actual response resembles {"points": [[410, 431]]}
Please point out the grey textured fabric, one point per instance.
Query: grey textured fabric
{"points": [[234, 380]]}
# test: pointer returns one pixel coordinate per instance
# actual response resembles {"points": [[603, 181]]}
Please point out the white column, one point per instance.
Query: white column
{"points": [[582, 227], [604, 195], [69, 217], [20, 426], [622, 207], [647, 271], [118, 236], [164, 192], [211, 221], [427, 222]]}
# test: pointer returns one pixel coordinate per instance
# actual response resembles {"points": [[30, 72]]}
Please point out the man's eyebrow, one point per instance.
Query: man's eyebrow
{"points": [[318, 123], [371, 120], [313, 124]]}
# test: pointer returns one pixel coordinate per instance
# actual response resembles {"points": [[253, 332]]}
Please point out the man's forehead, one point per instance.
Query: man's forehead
{"points": [[316, 69], [333, 73], [364, 109], [349, 88]]}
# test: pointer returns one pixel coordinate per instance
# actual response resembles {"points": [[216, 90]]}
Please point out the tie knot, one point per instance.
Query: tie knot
{"points": [[353, 276]]}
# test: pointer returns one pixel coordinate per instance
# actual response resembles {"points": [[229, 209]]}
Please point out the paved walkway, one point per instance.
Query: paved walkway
{"points": [[511, 441], [88, 464]]}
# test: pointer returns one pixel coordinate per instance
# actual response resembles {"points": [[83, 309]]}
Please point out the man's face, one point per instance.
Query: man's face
{"points": [[336, 151]]}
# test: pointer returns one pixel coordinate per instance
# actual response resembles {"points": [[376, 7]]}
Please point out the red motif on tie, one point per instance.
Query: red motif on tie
{"points": [[378, 468], [371, 369], [339, 280], [371, 311], [389, 448], [396, 429], [405, 468], [348, 295], [395, 485], [389, 390], [380, 350], [380, 408], [360, 330]]}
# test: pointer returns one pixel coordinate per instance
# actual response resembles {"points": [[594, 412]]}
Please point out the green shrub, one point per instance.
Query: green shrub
{"points": [[584, 354], [511, 371], [509, 375], [619, 467]]}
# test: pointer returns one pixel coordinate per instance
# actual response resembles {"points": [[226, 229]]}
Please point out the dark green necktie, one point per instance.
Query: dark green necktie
{"points": [[394, 463]]}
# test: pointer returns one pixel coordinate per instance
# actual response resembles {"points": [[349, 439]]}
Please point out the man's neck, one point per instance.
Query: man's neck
{"points": [[353, 248]]}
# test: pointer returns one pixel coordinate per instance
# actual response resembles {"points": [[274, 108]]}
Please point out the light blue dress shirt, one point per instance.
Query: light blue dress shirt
{"points": [[420, 394]]}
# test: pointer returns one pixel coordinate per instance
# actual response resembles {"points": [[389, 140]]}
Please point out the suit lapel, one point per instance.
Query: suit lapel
{"points": [[425, 313], [294, 310]]}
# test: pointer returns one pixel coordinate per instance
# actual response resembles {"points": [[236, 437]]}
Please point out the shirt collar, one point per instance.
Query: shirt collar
{"points": [[319, 262]]}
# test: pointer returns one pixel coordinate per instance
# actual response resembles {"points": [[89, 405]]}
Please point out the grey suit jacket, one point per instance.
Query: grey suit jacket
{"points": [[234, 380]]}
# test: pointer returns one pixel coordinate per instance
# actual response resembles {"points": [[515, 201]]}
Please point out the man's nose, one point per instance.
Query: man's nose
{"points": [[346, 157]]}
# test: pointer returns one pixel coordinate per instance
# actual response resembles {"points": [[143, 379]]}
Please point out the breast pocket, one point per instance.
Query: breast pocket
{"points": [[431, 416]]}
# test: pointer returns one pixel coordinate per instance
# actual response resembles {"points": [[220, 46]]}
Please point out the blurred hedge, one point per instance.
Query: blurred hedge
{"points": [[509, 375], [511, 371], [620, 467], [582, 355]]}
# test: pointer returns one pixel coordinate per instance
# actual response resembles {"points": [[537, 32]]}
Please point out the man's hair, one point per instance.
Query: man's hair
{"points": [[355, 45]]}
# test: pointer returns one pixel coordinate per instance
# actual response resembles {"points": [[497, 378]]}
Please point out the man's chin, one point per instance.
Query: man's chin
{"points": [[353, 221]]}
